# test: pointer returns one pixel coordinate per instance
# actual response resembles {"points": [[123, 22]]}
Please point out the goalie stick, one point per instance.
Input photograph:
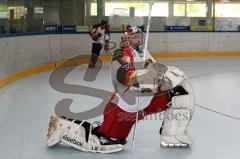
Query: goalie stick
{"points": [[144, 58]]}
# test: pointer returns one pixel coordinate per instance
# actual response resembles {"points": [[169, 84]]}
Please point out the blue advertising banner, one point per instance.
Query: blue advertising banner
{"points": [[51, 28], [177, 28], [69, 28]]}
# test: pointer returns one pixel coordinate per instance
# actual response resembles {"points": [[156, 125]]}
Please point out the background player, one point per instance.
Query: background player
{"points": [[100, 38]]}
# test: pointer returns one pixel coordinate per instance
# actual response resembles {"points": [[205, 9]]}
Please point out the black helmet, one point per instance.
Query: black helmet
{"points": [[129, 27], [104, 22]]}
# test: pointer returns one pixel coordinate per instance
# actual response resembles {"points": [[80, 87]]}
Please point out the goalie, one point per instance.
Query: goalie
{"points": [[146, 89]]}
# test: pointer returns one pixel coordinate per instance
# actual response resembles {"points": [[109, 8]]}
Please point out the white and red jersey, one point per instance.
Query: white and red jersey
{"points": [[103, 34], [128, 97]]}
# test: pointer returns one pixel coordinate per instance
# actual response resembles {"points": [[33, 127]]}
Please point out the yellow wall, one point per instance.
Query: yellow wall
{"points": [[51, 66]]}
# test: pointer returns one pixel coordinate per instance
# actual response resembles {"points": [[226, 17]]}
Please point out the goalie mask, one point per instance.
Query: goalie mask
{"points": [[134, 38]]}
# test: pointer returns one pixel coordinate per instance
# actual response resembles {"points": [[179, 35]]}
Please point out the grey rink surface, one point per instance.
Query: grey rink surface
{"points": [[26, 105]]}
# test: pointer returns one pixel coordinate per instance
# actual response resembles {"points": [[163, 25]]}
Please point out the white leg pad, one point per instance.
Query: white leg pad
{"points": [[177, 118], [72, 134], [175, 124]]}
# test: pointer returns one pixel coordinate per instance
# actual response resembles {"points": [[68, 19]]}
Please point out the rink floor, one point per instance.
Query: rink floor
{"points": [[26, 105]]}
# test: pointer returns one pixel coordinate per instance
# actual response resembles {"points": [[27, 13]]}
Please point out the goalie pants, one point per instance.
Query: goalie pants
{"points": [[117, 123]]}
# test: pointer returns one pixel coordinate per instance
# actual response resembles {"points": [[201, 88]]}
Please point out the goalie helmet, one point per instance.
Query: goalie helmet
{"points": [[134, 38]]}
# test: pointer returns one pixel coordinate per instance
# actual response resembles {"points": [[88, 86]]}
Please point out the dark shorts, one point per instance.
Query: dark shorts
{"points": [[96, 49]]}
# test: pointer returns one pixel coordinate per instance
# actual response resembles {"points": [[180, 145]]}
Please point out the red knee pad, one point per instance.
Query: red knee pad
{"points": [[117, 123]]}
